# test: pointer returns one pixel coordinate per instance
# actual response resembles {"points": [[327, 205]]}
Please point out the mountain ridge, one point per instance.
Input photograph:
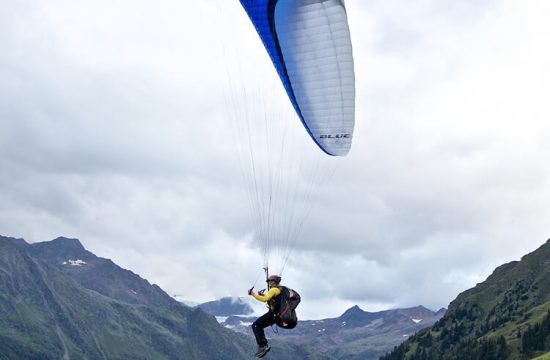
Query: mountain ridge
{"points": [[46, 313], [494, 319], [355, 334], [99, 274], [58, 299]]}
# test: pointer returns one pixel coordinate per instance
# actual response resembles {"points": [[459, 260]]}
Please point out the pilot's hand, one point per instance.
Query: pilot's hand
{"points": [[251, 291]]}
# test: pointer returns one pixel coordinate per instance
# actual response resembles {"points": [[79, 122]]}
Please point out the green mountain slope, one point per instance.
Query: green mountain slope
{"points": [[494, 319], [53, 306], [46, 314], [543, 357]]}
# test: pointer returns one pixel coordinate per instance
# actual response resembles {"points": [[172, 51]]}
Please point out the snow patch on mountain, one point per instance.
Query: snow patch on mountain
{"points": [[221, 319], [74, 262]]}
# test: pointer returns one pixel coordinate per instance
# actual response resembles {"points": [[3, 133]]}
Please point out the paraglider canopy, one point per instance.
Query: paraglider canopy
{"points": [[309, 44]]}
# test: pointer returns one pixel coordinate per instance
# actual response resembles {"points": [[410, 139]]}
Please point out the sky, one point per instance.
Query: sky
{"points": [[117, 128]]}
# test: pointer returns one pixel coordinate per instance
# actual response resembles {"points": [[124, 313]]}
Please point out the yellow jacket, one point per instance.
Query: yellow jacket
{"points": [[271, 294]]}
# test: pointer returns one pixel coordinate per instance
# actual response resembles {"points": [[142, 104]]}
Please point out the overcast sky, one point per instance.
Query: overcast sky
{"points": [[115, 128]]}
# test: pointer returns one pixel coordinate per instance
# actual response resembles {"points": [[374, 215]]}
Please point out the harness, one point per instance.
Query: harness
{"points": [[274, 303]]}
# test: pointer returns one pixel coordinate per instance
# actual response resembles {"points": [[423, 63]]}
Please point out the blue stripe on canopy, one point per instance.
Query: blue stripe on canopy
{"points": [[262, 15]]}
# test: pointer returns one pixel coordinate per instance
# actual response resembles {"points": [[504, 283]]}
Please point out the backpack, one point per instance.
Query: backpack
{"points": [[288, 301]]}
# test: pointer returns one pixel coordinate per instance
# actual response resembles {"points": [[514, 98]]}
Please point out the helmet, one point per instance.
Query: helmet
{"points": [[275, 278]]}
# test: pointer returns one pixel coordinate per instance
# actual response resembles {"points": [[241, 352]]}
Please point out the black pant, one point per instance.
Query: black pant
{"points": [[260, 324]]}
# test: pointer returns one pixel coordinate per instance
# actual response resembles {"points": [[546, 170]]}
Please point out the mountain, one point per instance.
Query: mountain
{"points": [[356, 334], [60, 301], [362, 335], [505, 317], [101, 275], [227, 306]]}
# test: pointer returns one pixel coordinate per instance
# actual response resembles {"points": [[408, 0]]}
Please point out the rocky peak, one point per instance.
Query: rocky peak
{"points": [[14, 241]]}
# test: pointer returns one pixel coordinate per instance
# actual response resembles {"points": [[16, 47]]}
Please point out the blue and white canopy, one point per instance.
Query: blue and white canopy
{"points": [[310, 46]]}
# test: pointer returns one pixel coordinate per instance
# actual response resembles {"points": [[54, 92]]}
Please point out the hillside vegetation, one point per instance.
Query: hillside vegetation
{"points": [[505, 317]]}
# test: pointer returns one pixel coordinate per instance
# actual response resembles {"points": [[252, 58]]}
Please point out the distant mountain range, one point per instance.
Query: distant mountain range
{"points": [[506, 317], [60, 301], [227, 306], [356, 334]]}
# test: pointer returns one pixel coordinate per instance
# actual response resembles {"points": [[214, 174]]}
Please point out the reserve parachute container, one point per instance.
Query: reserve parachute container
{"points": [[310, 46]]}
